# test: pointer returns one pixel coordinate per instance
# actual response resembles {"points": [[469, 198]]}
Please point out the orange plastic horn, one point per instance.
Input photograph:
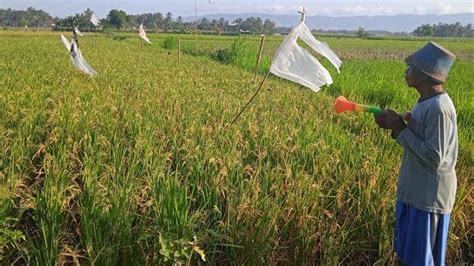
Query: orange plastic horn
{"points": [[343, 105]]}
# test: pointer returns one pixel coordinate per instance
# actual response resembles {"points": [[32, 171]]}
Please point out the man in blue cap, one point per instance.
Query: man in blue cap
{"points": [[427, 179]]}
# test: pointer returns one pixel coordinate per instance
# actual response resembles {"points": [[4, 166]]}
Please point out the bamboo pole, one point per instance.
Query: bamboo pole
{"points": [[251, 99], [259, 58]]}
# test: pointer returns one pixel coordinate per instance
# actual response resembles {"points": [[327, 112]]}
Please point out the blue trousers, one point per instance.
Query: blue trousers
{"points": [[421, 238]]}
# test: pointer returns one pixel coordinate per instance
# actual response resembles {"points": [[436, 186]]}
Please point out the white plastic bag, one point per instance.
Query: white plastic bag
{"points": [[295, 63], [94, 20], [78, 60], [142, 34], [66, 43], [76, 57], [76, 30]]}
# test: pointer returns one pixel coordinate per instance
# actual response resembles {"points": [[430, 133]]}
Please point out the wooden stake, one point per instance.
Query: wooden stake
{"points": [[260, 52], [251, 99]]}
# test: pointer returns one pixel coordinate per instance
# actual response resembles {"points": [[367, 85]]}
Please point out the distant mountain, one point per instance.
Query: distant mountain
{"points": [[396, 23]]}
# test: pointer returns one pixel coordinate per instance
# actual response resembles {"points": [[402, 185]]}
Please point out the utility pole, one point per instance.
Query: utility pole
{"points": [[195, 23]]}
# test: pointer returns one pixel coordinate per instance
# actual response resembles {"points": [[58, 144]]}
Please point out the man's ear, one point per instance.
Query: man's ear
{"points": [[420, 76]]}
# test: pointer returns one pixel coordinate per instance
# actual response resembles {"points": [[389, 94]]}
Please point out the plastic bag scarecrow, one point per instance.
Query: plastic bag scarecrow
{"points": [[142, 34], [75, 53], [294, 63], [94, 20]]}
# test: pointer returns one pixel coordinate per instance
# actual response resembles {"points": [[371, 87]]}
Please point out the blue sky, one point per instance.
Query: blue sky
{"points": [[186, 7]]}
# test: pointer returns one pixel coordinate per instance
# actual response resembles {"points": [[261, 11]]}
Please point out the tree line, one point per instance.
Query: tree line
{"points": [[120, 20], [445, 30], [25, 18]]}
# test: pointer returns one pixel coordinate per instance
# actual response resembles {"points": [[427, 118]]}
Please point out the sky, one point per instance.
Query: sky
{"points": [[185, 8]]}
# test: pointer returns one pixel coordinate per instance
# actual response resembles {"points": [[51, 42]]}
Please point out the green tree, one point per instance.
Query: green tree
{"points": [[268, 27], [158, 20], [168, 21], [222, 23], [82, 21], [117, 18], [204, 24], [361, 33], [424, 30], [179, 24], [469, 31], [253, 24], [21, 18]]}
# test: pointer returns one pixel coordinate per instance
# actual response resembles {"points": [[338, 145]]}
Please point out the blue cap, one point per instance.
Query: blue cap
{"points": [[434, 60]]}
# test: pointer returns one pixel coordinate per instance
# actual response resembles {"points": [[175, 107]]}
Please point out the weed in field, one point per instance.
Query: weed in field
{"points": [[170, 43]]}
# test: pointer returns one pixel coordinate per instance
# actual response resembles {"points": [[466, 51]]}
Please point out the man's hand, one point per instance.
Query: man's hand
{"points": [[394, 121], [380, 120]]}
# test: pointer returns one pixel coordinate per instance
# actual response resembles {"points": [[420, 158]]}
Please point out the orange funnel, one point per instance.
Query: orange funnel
{"points": [[343, 105]]}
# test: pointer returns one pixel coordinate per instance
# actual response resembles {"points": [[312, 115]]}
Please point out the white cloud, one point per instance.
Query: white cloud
{"points": [[363, 10], [444, 8], [439, 8], [419, 10], [357, 10], [278, 9]]}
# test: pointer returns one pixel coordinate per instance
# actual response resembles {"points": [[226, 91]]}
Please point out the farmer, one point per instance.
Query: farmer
{"points": [[427, 178]]}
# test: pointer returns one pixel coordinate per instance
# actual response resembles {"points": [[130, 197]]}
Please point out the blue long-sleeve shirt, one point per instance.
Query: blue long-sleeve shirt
{"points": [[427, 179]]}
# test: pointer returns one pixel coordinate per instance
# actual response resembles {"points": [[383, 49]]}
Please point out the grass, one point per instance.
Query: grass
{"points": [[138, 166]]}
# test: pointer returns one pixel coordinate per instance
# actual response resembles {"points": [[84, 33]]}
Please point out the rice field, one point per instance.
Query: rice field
{"points": [[139, 165]]}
